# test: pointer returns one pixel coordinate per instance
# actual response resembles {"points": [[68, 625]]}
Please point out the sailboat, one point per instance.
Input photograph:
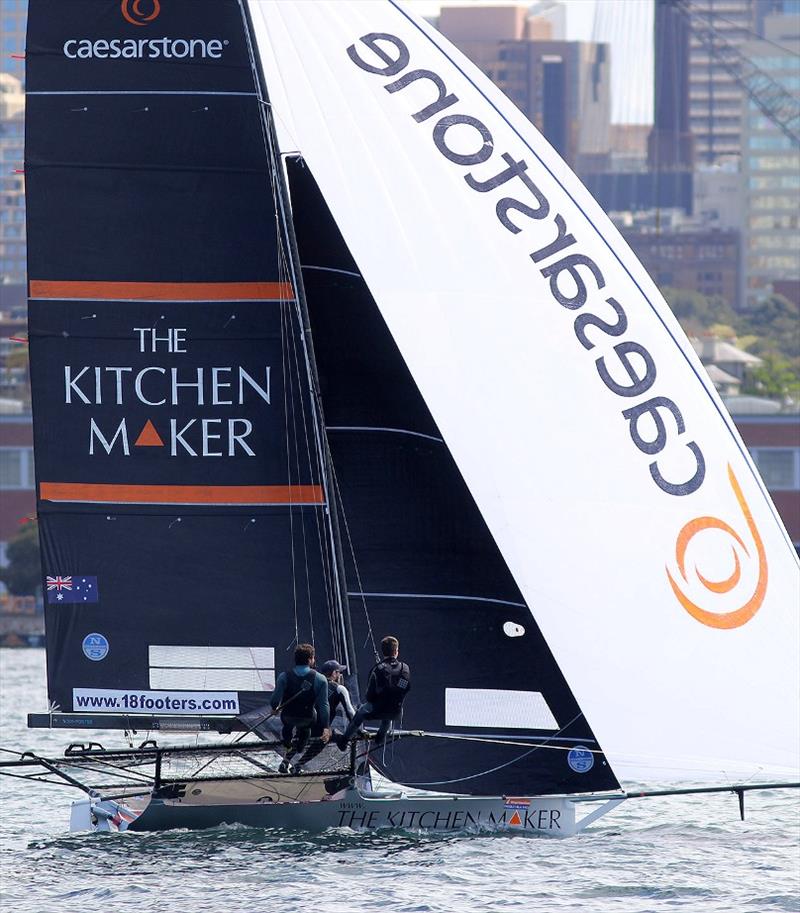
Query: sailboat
{"points": [[328, 343]]}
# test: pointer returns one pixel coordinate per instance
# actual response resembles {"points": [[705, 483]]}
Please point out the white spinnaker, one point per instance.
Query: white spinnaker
{"points": [[538, 435]]}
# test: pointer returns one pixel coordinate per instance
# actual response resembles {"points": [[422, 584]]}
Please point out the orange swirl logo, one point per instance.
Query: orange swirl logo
{"points": [[743, 614], [132, 11]]}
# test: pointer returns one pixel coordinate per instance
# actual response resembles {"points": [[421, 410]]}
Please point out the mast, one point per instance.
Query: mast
{"points": [[329, 483]]}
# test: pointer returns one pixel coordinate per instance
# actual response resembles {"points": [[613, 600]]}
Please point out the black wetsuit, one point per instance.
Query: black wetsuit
{"points": [[389, 683]]}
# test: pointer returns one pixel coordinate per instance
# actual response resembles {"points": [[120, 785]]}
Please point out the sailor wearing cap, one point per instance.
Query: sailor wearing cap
{"points": [[338, 696]]}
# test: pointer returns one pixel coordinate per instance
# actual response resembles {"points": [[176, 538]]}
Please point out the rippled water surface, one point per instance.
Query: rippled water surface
{"points": [[690, 854]]}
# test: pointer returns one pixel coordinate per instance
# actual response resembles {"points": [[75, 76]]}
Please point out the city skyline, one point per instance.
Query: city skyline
{"points": [[626, 25]]}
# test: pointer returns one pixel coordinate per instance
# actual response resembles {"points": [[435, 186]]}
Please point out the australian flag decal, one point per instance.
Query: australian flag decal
{"points": [[72, 589]]}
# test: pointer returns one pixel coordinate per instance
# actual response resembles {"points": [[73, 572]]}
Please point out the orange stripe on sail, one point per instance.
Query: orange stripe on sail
{"points": [[162, 291], [180, 494]]}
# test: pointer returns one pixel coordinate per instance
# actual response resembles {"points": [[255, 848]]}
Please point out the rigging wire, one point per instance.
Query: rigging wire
{"points": [[532, 749], [288, 266], [293, 350], [493, 741], [289, 469], [343, 514]]}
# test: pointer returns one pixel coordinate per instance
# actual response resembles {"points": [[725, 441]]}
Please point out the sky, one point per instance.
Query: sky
{"points": [[627, 25]]}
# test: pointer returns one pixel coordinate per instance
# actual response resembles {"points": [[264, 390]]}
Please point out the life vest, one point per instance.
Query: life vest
{"points": [[391, 683], [298, 695], [334, 699]]}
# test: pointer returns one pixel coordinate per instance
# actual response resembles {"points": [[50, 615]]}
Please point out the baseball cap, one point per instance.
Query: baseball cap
{"points": [[332, 666]]}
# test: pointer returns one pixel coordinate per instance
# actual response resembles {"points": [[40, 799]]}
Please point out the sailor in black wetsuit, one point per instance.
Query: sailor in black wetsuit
{"points": [[301, 696], [389, 683]]}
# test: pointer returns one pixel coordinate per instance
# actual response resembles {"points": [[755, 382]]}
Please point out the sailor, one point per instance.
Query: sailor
{"points": [[338, 696], [388, 684], [301, 698]]}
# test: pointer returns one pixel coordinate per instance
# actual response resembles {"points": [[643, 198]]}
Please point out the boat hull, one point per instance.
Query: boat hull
{"points": [[257, 803]]}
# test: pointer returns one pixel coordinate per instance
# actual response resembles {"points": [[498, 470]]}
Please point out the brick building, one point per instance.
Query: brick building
{"points": [[774, 442], [17, 481]]}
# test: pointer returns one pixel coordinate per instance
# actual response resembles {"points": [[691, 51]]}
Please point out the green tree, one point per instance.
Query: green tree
{"points": [[776, 377], [23, 574], [697, 312], [776, 320]]}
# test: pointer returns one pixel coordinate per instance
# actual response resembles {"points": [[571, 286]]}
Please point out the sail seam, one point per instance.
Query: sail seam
{"points": [[519, 605], [331, 269], [428, 437]]}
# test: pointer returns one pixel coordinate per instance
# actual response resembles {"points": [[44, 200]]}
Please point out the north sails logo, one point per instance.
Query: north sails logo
{"points": [[720, 588], [133, 12]]}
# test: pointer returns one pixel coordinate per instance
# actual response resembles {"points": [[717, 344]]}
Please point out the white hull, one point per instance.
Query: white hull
{"points": [[267, 802]]}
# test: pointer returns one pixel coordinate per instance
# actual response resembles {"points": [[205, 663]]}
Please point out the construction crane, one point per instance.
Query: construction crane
{"points": [[771, 98]]}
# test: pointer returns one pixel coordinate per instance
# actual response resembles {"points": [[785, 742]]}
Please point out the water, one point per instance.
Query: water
{"points": [[686, 853]]}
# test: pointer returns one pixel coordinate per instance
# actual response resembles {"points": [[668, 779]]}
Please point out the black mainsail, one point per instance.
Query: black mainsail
{"points": [[181, 494], [422, 564]]}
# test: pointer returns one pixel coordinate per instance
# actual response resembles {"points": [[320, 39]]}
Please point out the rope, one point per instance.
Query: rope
{"points": [[290, 269], [419, 733], [343, 514]]}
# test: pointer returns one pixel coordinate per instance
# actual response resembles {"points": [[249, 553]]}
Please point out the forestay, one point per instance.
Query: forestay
{"points": [[601, 459]]}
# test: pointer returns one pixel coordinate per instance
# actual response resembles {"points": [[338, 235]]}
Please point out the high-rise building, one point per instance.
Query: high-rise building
{"points": [[554, 13], [671, 145], [13, 22], [12, 188], [771, 170], [716, 100], [563, 87]]}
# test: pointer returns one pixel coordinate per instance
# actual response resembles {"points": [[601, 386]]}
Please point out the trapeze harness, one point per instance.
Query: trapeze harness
{"points": [[390, 682], [299, 698]]}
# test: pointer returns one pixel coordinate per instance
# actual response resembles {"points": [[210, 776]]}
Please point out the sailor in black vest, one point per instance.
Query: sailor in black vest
{"points": [[389, 683], [301, 697]]}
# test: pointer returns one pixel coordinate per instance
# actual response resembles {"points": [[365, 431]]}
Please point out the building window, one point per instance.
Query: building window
{"points": [[16, 468], [779, 467]]}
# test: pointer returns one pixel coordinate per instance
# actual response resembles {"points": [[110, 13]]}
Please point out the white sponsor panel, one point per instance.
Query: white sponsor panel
{"points": [[224, 679], [212, 657], [601, 457], [486, 708], [206, 668], [112, 700]]}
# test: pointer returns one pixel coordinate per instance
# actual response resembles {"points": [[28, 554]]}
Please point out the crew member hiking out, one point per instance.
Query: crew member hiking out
{"points": [[388, 684], [301, 697], [338, 697]]}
